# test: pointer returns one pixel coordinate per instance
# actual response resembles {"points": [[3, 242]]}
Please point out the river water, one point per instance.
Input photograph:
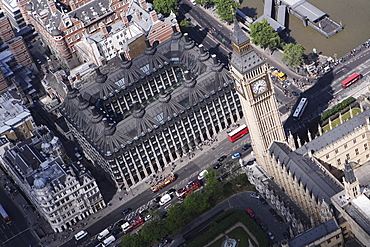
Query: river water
{"points": [[354, 16]]}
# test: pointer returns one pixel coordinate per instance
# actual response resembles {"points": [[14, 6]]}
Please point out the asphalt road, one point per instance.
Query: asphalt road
{"points": [[186, 174], [18, 232]]}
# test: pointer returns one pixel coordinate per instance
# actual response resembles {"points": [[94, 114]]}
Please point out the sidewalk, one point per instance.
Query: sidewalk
{"points": [[122, 197]]}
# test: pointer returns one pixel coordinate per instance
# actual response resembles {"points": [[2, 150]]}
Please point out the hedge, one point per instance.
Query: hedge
{"points": [[336, 109], [224, 222]]}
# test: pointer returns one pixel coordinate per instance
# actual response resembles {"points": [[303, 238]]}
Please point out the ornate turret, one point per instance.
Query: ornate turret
{"points": [[100, 78], [351, 184]]}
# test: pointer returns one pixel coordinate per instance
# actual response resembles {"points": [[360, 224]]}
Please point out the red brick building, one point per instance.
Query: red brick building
{"points": [[63, 25]]}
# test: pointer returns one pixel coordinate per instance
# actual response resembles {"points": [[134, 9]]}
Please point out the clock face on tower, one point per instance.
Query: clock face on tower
{"points": [[259, 86]]}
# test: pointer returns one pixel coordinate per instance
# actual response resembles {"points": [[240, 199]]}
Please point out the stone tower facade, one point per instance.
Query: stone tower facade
{"points": [[257, 95], [351, 184]]}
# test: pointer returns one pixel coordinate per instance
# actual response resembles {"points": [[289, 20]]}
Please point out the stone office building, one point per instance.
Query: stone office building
{"points": [[63, 193], [150, 111]]}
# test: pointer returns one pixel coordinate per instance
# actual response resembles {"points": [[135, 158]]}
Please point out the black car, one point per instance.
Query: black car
{"points": [[116, 231], [222, 158], [263, 227], [157, 199], [154, 207], [246, 147], [170, 191], [286, 235], [273, 212], [280, 220], [263, 201], [217, 165], [126, 211]]}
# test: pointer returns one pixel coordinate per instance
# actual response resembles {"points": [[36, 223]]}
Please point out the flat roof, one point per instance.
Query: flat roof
{"points": [[267, 8], [314, 234], [274, 24], [304, 8], [281, 14]]}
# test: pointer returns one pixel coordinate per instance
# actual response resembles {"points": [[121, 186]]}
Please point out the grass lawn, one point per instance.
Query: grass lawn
{"points": [[345, 117], [237, 233]]}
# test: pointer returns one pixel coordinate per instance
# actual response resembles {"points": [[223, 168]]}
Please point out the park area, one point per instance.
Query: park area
{"points": [[341, 119]]}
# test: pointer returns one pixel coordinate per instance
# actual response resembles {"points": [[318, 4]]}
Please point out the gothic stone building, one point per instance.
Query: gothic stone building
{"points": [[140, 117]]}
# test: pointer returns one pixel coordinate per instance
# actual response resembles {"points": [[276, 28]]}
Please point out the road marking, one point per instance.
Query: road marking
{"points": [[366, 73]]}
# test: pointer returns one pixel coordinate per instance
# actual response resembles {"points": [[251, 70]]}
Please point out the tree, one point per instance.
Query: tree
{"points": [[176, 218], [195, 203], [152, 231], [132, 241], [165, 7], [264, 35], [226, 9], [185, 23], [213, 187], [293, 55]]}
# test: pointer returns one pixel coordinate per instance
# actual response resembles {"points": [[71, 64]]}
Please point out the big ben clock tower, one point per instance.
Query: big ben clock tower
{"points": [[257, 95]]}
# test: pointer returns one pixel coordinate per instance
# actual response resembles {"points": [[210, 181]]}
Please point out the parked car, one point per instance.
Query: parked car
{"points": [[157, 199], [147, 217], [263, 227], [202, 174], [217, 165], [271, 236], [126, 211], [250, 212], [223, 176], [273, 212], [295, 94], [222, 158], [257, 220], [280, 220], [236, 156], [286, 235], [246, 147], [171, 191], [263, 201], [255, 195]]}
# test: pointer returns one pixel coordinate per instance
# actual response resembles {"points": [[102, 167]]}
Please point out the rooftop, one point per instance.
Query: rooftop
{"points": [[313, 177], [304, 8], [314, 234], [335, 134], [11, 112]]}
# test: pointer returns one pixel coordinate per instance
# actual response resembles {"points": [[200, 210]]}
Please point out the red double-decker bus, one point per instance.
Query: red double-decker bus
{"points": [[350, 80], [238, 133], [5, 215]]}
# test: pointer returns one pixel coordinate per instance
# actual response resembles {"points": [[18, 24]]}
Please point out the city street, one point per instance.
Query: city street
{"points": [[18, 231], [142, 198]]}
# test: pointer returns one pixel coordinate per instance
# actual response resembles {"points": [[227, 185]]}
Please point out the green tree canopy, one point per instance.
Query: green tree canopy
{"points": [[175, 218], [213, 187], [293, 55], [264, 35], [226, 9], [132, 241], [165, 7]]}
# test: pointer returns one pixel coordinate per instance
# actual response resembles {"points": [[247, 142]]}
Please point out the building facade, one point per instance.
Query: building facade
{"points": [[348, 142], [140, 117], [79, 31], [16, 121], [62, 193], [254, 86]]}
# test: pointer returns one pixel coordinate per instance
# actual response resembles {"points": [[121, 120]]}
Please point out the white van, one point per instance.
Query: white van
{"points": [[108, 241], [103, 234], [80, 235], [202, 174], [166, 198]]}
